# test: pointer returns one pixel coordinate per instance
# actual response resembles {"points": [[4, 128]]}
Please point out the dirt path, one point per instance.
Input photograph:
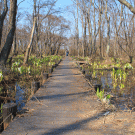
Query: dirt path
{"points": [[66, 105]]}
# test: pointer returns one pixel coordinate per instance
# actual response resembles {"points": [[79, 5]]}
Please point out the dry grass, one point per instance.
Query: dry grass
{"points": [[116, 122]]}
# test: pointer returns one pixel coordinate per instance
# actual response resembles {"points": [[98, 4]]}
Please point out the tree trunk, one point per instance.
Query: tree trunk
{"points": [[30, 44], [131, 8], [12, 26], [90, 35], [84, 37], [57, 50], [37, 28], [2, 18], [100, 19], [108, 29], [14, 45], [77, 30], [94, 40], [83, 48]]}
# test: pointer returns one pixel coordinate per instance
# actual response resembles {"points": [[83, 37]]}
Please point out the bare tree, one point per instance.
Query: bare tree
{"points": [[2, 18], [77, 30], [11, 29], [31, 37], [127, 4], [108, 27]]}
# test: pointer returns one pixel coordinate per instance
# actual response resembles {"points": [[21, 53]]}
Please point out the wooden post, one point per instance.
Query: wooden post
{"points": [[83, 71], [53, 66], [56, 65], [96, 86], [1, 123], [131, 59], [35, 86], [87, 76], [9, 112], [50, 70], [45, 77], [59, 61], [80, 68]]}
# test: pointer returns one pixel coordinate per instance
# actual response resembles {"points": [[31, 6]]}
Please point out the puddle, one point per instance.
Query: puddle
{"points": [[120, 85], [16, 92], [20, 97]]}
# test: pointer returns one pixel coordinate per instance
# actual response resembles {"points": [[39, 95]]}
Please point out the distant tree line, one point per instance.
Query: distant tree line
{"points": [[108, 28], [42, 33]]}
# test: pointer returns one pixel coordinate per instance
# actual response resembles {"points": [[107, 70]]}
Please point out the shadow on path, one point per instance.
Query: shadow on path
{"points": [[78, 125], [64, 75], [59, 96]]}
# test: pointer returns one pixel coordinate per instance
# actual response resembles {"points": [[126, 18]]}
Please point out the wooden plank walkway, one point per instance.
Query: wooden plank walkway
{"points": [[65, 105]]}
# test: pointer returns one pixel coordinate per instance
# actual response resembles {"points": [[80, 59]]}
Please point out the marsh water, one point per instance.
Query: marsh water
{"points": [[19, 95], [121, 86]]}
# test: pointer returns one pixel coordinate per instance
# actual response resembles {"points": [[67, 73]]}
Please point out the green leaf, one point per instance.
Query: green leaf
{"points": [[108, 96]]}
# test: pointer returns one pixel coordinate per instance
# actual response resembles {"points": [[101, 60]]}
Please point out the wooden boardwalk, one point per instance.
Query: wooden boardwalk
{"points": [[65, 105]]}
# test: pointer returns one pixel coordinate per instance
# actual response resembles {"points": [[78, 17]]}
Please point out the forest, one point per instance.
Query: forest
{"points": [[100, 38], [103, 28]]}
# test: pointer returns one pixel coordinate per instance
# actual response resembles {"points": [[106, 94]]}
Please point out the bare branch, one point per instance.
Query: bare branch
{"points": [[20, 2], [131, 8]]}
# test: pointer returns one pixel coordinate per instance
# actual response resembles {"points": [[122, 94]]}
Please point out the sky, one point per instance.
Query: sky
{"points": [[62, 3], [27, 6], [59, 2]]}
